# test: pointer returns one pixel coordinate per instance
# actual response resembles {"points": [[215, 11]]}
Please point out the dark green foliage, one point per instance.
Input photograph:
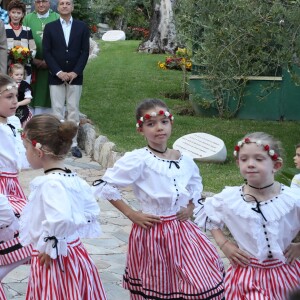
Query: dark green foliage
{"points": [[234, 39]]}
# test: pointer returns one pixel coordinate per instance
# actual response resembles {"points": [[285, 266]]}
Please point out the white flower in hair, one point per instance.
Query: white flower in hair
{"points": [[271, 152], [258, 143], [167, 114], [142, 119], [235, 153], [38, 145], [240, 143], [153, 114]]}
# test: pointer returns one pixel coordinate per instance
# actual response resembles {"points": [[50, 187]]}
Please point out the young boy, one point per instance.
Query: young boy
{"points": [[296, 179]]}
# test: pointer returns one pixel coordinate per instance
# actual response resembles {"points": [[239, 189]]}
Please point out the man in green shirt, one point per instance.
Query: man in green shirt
{"points": [[41, 102]]}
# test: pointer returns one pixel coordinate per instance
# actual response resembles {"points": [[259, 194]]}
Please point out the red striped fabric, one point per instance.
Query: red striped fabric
{"points": [[10, 187], [2, 294], [79, 281], [172, 260], [269, 280]]}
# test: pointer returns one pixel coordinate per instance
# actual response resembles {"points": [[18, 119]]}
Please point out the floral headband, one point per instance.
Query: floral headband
{"points": [[274, 156], [34, 143], [153, 114], [9, 87]]}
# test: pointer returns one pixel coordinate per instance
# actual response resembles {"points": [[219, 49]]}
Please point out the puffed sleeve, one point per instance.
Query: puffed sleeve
{"points": [[58, 224], [194, 185], [91, 227], [124, 172], [8, 222], [15, 121], [209, 214]]}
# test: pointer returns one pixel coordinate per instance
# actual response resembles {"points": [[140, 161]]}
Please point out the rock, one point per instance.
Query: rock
{"points": [[105, 158], [99, 142]]}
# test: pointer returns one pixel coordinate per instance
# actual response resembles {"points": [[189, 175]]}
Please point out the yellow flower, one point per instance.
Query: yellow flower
{"points": [[162, 66]]}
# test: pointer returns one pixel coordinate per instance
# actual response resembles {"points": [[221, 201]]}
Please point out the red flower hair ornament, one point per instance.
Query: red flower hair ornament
{"points": [[153, 114], [274, 156], [34, 143]]}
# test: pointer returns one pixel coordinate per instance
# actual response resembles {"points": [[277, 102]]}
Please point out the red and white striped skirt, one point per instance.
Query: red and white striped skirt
{"points": [[2, 294], [12, 251], [269, 280], [75, 277], [172, 260]]}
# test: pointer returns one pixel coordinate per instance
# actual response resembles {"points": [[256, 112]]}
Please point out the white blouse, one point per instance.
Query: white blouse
{"points": [[263, 235], [12, 154], [61, 205], [295, 184], [9, 223], [162, 186]]}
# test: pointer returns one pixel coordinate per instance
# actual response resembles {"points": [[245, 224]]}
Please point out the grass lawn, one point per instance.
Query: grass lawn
{"points": [[119, 78]]}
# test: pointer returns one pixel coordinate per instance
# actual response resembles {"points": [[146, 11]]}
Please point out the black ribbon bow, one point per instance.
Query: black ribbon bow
{"points": [[54, 245]]}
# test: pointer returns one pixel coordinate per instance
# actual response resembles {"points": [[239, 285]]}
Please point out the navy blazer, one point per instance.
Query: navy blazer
{"points": [[67, 58]]}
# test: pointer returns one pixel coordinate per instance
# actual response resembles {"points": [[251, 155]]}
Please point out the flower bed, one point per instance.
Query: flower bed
{"points": [[180, 60]]}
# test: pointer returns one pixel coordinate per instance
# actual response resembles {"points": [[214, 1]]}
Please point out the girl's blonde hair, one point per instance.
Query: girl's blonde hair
{"points": [[54, 136], [13, 67], [267, 139]]}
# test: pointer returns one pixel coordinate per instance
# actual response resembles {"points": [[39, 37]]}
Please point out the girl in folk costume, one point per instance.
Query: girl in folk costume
{"points": [[12, 159], [9, 224], [264, 217], [16, 71], [168, 256], [61, 267]]}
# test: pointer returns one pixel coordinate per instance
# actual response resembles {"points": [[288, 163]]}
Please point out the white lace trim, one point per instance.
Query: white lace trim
{"points": [[106, 191], [159, 165], [47, 247]]}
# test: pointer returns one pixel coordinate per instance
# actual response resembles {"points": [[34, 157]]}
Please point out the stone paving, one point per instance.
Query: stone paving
{"points": [[108, 251]]}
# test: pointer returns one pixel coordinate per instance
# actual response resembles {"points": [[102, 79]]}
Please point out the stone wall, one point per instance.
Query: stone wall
{"points": [[99, 147]]}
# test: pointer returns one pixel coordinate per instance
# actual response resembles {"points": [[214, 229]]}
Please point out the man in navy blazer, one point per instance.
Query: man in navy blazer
{"points": [[66, 51]]}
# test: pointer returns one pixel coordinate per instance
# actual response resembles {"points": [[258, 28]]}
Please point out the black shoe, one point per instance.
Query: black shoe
{"points": [[76, 152]]}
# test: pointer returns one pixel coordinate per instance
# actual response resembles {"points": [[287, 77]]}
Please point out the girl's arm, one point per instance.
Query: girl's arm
{"points": [[27, 97], [185, 213], [292, 252], [137, 217], [26, 101], [230, 249]]}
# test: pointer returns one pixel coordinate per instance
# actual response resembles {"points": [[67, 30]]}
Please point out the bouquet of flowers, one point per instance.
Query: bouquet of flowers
{"points": [[19, 54]]}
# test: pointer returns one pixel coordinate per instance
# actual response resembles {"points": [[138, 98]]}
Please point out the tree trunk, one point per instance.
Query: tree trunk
{"points": [[162, 37]]}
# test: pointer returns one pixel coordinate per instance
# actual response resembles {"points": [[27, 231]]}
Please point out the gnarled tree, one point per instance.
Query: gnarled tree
{"points": [[162, 37]]}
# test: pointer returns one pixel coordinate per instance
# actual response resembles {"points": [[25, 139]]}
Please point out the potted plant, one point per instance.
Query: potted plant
{"points": [[246, 56]]}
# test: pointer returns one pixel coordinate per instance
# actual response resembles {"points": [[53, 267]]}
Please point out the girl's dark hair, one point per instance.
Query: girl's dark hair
{"points": [[298, 146], [147, 104], [5, 80], [18, 5], [54, 136]]}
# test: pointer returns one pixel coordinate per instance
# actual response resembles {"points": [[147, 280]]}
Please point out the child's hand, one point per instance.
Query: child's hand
{"points": [[45, 259], [292, 252], [144, 220], [235, 255], [185, 213]]}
